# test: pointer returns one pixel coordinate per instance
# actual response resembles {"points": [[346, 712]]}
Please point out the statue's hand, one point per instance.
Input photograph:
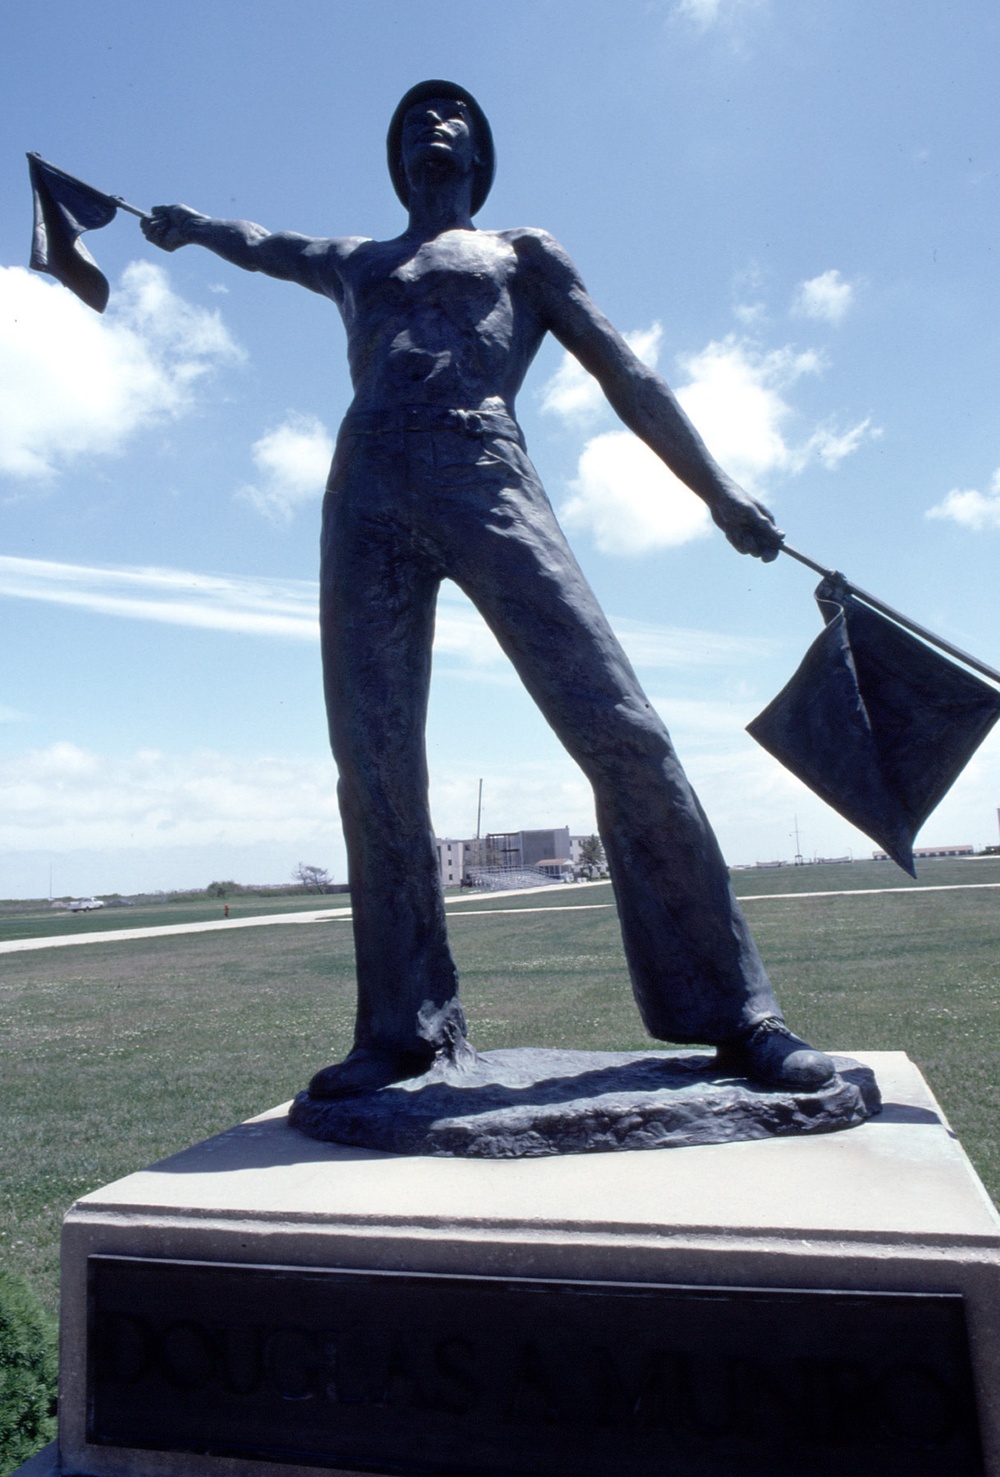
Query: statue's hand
{"points": [[747, 524], [169, 226]]}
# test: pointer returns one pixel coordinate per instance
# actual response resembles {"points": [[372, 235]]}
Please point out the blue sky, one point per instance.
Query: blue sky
{"points": [[791, 208]]}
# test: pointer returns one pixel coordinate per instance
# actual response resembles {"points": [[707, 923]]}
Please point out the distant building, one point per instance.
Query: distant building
{"points": [[453, 856], [532, 854], [926, 853], [582, 868], [513, 851], [511, 858]]}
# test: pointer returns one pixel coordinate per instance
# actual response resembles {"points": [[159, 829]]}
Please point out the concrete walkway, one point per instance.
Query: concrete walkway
{"points": [[112, 935], [320, 915], [767, 897], [335, 915]]}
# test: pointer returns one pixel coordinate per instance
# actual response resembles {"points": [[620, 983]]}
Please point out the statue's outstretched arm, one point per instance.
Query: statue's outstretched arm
{"points": [[281, 254], [645, 402]]}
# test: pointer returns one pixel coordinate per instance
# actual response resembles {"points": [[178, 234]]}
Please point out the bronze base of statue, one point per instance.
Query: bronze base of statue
{"points": [[530, 1102]]}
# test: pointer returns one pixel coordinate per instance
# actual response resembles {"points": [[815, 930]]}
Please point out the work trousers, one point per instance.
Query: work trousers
{"points": [[405, 508]]}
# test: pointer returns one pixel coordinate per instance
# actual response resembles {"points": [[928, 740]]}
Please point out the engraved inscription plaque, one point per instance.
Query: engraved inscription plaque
{"points": [[412, 1373]]}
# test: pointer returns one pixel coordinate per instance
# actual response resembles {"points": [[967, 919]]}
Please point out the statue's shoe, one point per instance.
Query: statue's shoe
{"points": [[770, 1054], [367, 1069]]}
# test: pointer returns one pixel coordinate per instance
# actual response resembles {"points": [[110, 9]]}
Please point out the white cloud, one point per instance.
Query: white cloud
{"points": [[572, 393], [462, 635], [292, 462], [751, 801], [576, 396], [832, 446], [258, 607], [77, 384], [238, 603], [706, 13], [703, 11], [735, 393], [751, 315], [972, 509], [685, 647], [154, 820], [628, 501], [288, 608], [550, 791], [826, 297], [68, 798]]}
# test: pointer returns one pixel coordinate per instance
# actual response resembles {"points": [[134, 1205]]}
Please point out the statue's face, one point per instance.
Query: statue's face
{"points": [[438, 130]]}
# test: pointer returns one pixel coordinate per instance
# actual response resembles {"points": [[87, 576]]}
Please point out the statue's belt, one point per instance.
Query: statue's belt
{"points": [[431, 418]]}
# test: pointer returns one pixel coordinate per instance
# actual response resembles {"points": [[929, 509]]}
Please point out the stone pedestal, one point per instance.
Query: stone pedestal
{"points": [[265, 1303]]}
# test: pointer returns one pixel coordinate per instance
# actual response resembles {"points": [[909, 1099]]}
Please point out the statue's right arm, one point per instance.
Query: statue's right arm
{"points": [[307, 260]]}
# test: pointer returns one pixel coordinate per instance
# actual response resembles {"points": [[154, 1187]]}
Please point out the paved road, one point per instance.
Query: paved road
{"points": [[337, 915]]}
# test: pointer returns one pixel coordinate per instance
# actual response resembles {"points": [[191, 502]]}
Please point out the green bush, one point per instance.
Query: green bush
{"points": [[28, 1367]]}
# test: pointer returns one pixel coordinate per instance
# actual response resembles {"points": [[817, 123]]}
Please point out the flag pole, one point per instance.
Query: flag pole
{"points": [[143, 215], [115, 200], [901, 620], [830, 574]]}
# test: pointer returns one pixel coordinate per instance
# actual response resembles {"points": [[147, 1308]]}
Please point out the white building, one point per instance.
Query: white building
{"points": [[925, 853], [452, 858], [554, 852], [576, 845]]}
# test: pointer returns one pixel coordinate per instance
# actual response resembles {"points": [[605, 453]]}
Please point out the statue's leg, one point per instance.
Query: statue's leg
{"points": [[695, 970], [377, 617]]}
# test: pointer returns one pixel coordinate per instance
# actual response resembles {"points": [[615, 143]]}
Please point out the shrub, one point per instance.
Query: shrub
{"points": [[28, 1367], [222, 889]]}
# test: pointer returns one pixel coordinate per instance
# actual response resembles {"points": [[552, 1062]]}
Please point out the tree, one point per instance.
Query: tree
{"points": [[28, 1364], [313, 879], [592, 858], [221, 889]]}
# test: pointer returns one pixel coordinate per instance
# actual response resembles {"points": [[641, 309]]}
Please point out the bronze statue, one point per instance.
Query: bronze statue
{"points": [[431, 480]]}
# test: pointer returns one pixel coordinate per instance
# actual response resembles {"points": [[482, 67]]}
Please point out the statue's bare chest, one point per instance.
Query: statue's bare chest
{"points": [[463, 278]]}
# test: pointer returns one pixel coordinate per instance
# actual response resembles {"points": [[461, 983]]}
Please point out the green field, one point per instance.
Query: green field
{"points": [[115, 1054], [39, 920]]}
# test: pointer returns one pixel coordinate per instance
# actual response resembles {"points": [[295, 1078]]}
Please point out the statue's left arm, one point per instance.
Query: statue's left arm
{"points": [[639, 396]]}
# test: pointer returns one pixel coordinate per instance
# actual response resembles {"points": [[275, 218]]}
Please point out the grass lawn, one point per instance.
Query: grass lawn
{"points": [[857, 876], [42, 921], [115, 1054]]}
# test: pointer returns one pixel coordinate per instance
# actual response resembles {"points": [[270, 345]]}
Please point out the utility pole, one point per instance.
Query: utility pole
{"points": [[479, 824]]}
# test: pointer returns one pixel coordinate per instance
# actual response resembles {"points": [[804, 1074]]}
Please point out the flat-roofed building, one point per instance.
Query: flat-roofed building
{"points": [[515, 850], [927, 853], [591, 869], [534, 854], [452, 858]]}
